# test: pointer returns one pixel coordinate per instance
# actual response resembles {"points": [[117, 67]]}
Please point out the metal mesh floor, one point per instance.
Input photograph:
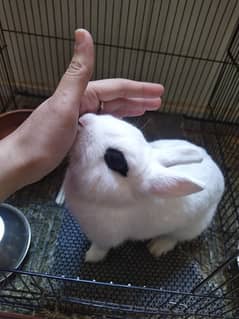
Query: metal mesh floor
{"points": [[131, 264]]}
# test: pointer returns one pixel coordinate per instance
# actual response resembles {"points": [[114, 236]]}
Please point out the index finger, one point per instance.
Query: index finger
{"points": [[111, 89]]}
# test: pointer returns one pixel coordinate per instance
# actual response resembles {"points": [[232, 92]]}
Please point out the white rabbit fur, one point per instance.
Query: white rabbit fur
{"points": [[170, 193]]}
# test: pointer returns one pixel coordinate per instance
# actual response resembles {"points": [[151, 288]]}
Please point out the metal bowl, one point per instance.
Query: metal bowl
{"points": [[15, 238]]}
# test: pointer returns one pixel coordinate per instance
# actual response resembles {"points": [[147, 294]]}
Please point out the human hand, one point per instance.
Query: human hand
{"points": [[47, 135], [43, 140], [121, 97]]}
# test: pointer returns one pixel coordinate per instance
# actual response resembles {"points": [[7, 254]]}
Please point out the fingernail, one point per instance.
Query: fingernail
{"points": [[79, 35]]}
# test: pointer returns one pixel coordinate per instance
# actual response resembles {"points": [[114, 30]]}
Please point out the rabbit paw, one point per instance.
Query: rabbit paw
{"points": [[95, 254], [160, 246]]}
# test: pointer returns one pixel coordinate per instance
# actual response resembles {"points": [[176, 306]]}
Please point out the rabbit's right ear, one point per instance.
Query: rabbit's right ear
{"points": [[178, 155], [166, 183]]}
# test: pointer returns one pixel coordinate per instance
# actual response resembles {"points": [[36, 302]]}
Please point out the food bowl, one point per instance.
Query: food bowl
{"points": [[15, 238]]}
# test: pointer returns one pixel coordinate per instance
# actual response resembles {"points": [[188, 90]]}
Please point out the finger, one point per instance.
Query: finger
{"points": [[77, 76], [111, 89], [131, 107], [131, 112]]}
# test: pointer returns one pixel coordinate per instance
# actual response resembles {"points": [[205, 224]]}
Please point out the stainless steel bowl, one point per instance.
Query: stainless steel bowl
{"points": [[15, 238]]}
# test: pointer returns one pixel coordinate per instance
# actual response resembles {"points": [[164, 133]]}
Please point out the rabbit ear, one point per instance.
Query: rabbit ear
{"points": [[168, 184], [178, 155]]}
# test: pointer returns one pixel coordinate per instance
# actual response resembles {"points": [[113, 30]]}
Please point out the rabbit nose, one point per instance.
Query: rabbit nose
{"points": [[86, 119], [80, 123]]}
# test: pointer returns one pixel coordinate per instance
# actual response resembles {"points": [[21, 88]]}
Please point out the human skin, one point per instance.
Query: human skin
{"points": [[40, 144]]}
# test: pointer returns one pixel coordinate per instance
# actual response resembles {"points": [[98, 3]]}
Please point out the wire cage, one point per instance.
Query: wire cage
{"points": [[192, 47]]}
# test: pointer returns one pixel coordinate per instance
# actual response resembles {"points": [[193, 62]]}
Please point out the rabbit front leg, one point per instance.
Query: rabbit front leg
{"points": [[161, 245], [95, 253]]}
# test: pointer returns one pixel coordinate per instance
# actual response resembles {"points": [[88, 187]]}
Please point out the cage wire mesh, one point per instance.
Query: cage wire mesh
{"points": [[192, 47]]}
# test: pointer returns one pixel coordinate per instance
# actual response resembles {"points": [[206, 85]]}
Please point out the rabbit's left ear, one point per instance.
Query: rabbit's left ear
{"points": [[168, 184], [179, 155]]}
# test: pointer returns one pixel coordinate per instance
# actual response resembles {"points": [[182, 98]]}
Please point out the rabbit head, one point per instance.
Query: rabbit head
{"points": [[111, 160]]}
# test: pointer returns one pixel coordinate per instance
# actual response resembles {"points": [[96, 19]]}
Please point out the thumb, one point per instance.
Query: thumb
{"points": [[78, 74]]}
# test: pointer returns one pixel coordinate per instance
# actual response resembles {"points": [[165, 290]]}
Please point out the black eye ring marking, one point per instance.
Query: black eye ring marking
{"points": [[116, 161]]}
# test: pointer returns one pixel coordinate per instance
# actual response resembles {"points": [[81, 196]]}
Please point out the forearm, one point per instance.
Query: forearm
{"points": [[11, 168]]}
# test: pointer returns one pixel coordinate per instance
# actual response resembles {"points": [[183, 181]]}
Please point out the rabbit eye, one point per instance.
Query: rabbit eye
{"points": [[116, 161]]}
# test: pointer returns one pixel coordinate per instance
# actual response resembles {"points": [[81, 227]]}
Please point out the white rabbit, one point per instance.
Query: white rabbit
{"points": [[120, 187]]}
